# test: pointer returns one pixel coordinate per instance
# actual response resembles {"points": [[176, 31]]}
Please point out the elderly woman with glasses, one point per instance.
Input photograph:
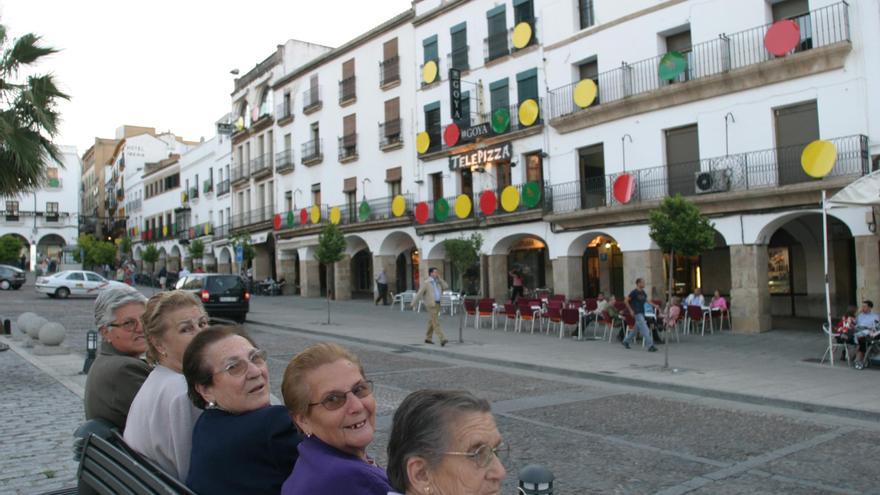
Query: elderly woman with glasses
{"points": [[118, 372], [445, 442], [241, 443], [332, 404], [161, 419]]}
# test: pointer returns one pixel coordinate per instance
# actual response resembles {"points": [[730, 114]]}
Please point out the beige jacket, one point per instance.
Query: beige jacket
{"points": [[426, 292]]}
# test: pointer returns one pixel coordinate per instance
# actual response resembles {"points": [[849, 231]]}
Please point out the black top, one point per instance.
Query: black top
{"points": [[637, 300], [251, 453]]}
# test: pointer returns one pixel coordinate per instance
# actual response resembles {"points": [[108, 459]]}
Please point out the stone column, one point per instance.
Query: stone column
{"points": [[309, 278], [262, 263], [342, 278], [388, 263], [496, 268], [287, 270], [647, 265], [568, 276], [749, 292], [868, 268]]}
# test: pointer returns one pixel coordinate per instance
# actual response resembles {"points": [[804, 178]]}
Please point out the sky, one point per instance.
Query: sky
{"points": [[166, 64]]}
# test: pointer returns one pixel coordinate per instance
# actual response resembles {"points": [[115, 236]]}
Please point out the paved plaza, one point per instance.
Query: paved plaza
{"points": [[742, 414]]}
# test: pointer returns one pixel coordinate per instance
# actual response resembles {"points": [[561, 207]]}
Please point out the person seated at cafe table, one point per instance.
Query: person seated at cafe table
{"points": [[867, 326], [695, 299]]}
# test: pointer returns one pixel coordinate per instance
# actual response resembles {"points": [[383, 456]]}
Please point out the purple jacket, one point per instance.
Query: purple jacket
{"points": [[322, 469]]}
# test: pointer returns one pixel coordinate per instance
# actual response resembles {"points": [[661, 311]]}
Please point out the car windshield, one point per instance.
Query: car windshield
{"points": [[225, 284]]}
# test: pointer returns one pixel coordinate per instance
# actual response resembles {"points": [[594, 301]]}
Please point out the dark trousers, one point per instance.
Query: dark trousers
{"points": [[517, 292], [383, 294]]}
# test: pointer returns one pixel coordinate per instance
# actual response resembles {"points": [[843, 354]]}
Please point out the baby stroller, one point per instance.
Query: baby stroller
{"points": [[871, 339]]}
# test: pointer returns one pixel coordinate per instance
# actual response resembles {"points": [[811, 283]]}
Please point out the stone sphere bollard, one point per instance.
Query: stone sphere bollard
{"points": [[37, 323], [52, 334], [24, 322]]}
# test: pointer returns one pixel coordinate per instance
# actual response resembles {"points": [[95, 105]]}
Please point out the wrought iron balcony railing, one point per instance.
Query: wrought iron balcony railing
{"points": [[390, 133], [348, 148], [284, 161], [389, 71], [347, 89], [311, 151]]}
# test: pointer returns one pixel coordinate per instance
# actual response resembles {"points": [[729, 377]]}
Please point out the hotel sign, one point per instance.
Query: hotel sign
{"points": [[473, 132], [477, 158]]}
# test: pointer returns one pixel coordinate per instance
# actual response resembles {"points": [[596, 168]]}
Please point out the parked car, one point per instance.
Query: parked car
{"points": [[223, 295], [74, 283], [11, 277]]}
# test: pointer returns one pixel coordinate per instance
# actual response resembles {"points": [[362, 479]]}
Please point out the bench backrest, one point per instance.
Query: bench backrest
{"points": [[107, 469]]}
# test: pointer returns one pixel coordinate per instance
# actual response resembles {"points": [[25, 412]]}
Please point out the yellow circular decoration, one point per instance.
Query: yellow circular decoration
{"points": [[585, 93], [429, 71], [509, 199], [818, 158], [463, 206], [528, 112], [423, 142], [398, 205], [316, 214], [522, 35], [335, 215], [207, 228], [164, 230]]}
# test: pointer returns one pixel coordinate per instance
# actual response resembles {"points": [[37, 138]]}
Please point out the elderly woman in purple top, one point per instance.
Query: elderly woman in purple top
{"points": [[331, 403]]}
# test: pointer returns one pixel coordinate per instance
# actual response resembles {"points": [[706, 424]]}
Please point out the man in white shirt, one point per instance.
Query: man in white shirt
{"points": [[867, 325], [695, 299]]}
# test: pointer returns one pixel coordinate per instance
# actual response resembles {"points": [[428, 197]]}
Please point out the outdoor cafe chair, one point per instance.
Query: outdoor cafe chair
{"points": [[570, 316], [470, 310], [591, 304], [526, 311], [834, 345], [486, 309], [609, 324], [724, 313], [698, 314], [510, 313], [553, 315]]}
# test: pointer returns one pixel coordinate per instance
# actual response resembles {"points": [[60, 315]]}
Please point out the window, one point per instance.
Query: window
{"points": [[347, 91], [52, 210], [52, 177], [76, 276], [390, 65], [590, 70], [432, 124], [499, 94], [681, 43], [682, 159], [535, 168], [394, 188], [799, 12], [312, 97], [527, 85], [316, 194], [585, 11], [348, 141], [458, 57], [285, 106], [523, 11], [288, 201], [796, 125], [12, 210], [429, 46], [496, 42], [266, 103], [436, 185], [390, 129], [465, 110], [351, 204]]}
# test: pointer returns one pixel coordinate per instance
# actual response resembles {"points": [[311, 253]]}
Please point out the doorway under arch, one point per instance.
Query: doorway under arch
{"points": [[603, 267]]}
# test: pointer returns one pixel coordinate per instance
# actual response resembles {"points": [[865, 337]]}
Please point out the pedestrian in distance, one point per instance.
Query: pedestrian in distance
{"points": [[163, 277], [635, 303], [382, 286], [518, 285], [429, 293]]}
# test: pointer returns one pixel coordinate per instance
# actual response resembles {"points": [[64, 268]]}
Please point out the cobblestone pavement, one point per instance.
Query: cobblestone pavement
{"points": [[596, 437]]}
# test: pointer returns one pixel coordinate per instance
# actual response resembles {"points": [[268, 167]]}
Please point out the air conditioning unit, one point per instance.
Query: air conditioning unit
{"points": [[712, 181]]}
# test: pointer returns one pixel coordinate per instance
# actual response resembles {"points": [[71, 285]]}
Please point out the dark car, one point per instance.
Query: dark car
{"points": [[11, 277], [223, 295]]}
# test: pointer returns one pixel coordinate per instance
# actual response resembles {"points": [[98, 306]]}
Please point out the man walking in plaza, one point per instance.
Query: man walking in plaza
{"points": [[429, 293], [635, 303], [382, 286]]}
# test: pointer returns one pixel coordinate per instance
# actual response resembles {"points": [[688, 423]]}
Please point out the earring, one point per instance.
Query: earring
{"points": [[211, 405], [308, 434]]}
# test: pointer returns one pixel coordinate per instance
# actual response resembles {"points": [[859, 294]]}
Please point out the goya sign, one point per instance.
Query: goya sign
{"points": [[482, 156]]}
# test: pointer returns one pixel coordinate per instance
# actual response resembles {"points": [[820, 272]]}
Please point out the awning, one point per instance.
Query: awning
{"points": [[259, 238], [862, 192]]}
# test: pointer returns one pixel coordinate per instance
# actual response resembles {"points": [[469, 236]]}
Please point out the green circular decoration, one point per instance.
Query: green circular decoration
{"points": [[290, 219], [531, 194], [500, 120], [672, 65], [364, 211], [441, 209]]}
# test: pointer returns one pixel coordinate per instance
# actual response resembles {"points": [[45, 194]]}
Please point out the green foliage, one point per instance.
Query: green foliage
{"points": [[244, 240], [196, 249], [96, 252], [464, 252], [331, 245], [150, 254], [28, 114], [678, 226], [10, 249], [125, 246]]}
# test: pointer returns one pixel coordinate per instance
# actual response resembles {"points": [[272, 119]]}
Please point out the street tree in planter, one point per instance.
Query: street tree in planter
{"points": [[331, 245], [678, 227], [10, 249], [248, 251], [150, 255], [463, 253], [196, 251], [125, 247]]}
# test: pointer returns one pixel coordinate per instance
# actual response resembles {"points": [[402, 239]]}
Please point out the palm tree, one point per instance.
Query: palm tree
{"points": [[28, 116]]}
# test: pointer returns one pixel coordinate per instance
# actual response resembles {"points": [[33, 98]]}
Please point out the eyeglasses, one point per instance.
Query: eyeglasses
{"points": [[240, 366], [484, 454], [128, 325], [335, 400]]}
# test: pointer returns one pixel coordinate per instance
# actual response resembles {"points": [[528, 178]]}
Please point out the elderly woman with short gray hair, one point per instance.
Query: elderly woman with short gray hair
{"points": [[118, 372], [444, 442]]}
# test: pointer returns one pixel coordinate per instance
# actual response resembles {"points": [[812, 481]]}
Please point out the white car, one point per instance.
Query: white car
{"points": [[74, 283]]}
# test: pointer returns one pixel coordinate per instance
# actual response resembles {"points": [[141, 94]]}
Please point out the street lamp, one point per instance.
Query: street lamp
{"points": [[92, 350]]}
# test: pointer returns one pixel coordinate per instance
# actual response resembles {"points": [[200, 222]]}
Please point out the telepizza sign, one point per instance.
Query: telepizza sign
{"points": [[476, 158]]}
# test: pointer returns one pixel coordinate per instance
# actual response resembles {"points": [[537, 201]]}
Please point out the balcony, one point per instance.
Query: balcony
{"points": [[221, 232], [730, 63], [390, 136], [253, 217], [347, 91], [193, 193], [312, 100], [348, 150], [749, 178], [261, 166], [389, 72], [283, 114], [458, 58], [120, 194], [495, 46], [379, 211], [53, 216], [12, 215], [240, 174], [222, 187], [284, 162], [523, 212], [311, 152], [207, 186]]}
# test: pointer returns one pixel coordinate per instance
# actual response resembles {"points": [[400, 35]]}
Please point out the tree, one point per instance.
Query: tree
{"points": [[96, 252], [150, 255], [10, 249], [463, 253], [196, 250], [28, 115], [125, 246], [678, 227], [331, 245], [244, 241]]}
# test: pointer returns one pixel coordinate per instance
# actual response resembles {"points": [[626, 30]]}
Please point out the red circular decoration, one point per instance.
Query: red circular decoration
{"points": [[782, 37], [277, 221], [452, 134], [624, 186], [488, 202], [422, 212], [303, 216]]}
